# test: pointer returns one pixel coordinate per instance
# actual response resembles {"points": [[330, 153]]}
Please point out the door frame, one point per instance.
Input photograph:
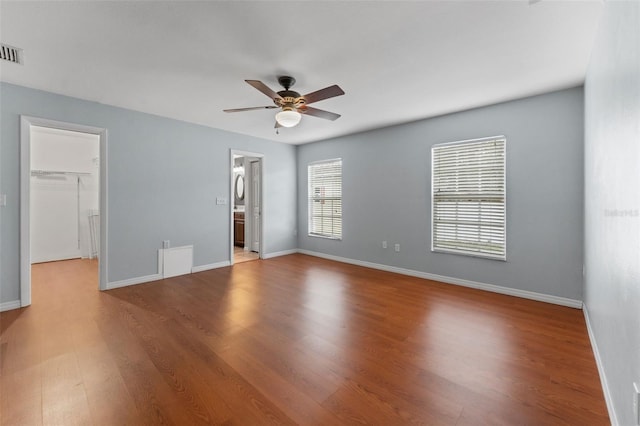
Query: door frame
{"points": [[26, 122], [260, 157]]}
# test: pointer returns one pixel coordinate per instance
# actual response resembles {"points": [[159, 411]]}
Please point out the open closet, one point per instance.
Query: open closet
{"points": [[64, 195]]}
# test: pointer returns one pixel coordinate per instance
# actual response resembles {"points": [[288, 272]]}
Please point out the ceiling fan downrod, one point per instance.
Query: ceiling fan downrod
{"points": [[286, 81]]}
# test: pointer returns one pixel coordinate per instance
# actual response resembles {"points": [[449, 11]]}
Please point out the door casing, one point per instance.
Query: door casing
{"points": [[26, 122]]}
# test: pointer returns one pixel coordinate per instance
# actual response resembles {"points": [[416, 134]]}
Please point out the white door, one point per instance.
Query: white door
{"points": [[255, 206], [54, 218]]}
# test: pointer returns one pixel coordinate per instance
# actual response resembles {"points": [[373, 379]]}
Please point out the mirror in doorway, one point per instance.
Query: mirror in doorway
{"points": [[239, 187]]}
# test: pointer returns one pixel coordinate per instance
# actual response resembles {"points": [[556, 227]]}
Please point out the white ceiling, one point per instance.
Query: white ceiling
{"points": [[397, 61]]}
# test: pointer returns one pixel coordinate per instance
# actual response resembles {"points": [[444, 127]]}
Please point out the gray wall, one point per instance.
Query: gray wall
{"points": [[386, 194], [163, 178], [612, 201]]}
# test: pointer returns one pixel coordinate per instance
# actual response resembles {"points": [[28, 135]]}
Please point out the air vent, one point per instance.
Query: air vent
{"points": [[11, 54]]}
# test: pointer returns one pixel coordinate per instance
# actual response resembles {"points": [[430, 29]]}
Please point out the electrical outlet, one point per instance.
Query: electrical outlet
{"points": [[384, 244], [166, 244], [397, 248], [636, 403], [3, 200]]}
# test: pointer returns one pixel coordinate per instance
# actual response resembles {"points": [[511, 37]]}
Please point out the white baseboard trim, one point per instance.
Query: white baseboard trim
{"points": [[603, 377], [8, 306], [556, 300], [133, 281], [280, 253], [216, 265]]}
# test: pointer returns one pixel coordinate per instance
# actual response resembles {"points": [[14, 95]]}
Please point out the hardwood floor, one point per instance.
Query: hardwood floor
{"points": [[241, 255], [289, 340]]}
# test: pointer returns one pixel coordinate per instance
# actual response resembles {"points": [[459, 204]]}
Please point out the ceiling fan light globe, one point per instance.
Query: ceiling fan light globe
{"points": [[288, 118]]}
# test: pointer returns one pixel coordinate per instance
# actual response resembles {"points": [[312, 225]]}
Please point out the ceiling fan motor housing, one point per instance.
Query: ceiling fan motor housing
{"points": [[289, 98]]}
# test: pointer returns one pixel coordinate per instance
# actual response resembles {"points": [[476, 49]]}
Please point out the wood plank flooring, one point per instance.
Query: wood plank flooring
{"points": [[241, 255], [291, 340]]}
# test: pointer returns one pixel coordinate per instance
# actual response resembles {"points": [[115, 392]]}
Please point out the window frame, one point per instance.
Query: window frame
{"points": [[479, 254], [310, 231]]}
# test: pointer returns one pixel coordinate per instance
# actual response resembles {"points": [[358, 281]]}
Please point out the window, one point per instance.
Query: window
{"points": [[325, 199], [468, 197]]}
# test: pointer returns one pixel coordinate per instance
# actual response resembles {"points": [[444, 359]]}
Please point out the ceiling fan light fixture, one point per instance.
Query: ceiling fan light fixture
{"points": [[288, 118]]}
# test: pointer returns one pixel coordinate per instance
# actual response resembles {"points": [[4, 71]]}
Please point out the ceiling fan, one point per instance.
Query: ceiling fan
{"points": [[292, 105]]}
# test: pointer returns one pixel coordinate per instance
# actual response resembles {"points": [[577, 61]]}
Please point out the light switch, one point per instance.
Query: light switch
{"points": [[3, 200], [221, 201]]}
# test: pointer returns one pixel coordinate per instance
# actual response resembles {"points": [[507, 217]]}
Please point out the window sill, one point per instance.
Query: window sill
{"points": [[326, 237], [471, 254]]}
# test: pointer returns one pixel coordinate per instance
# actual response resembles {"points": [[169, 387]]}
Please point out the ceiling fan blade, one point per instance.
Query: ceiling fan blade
{"points": [[250, 108], [322, 94], [320, 113], [264, 89]]}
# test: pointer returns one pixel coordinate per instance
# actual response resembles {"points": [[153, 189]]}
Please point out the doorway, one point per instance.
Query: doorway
{"points": [[62, 200], [246, 206]]}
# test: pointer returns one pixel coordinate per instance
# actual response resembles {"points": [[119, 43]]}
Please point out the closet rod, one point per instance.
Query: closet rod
{"points": [[55, 172]]}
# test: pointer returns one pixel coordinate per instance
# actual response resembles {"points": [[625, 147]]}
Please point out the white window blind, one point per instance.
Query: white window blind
{"points": [[468, 197], [325, 199]]}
